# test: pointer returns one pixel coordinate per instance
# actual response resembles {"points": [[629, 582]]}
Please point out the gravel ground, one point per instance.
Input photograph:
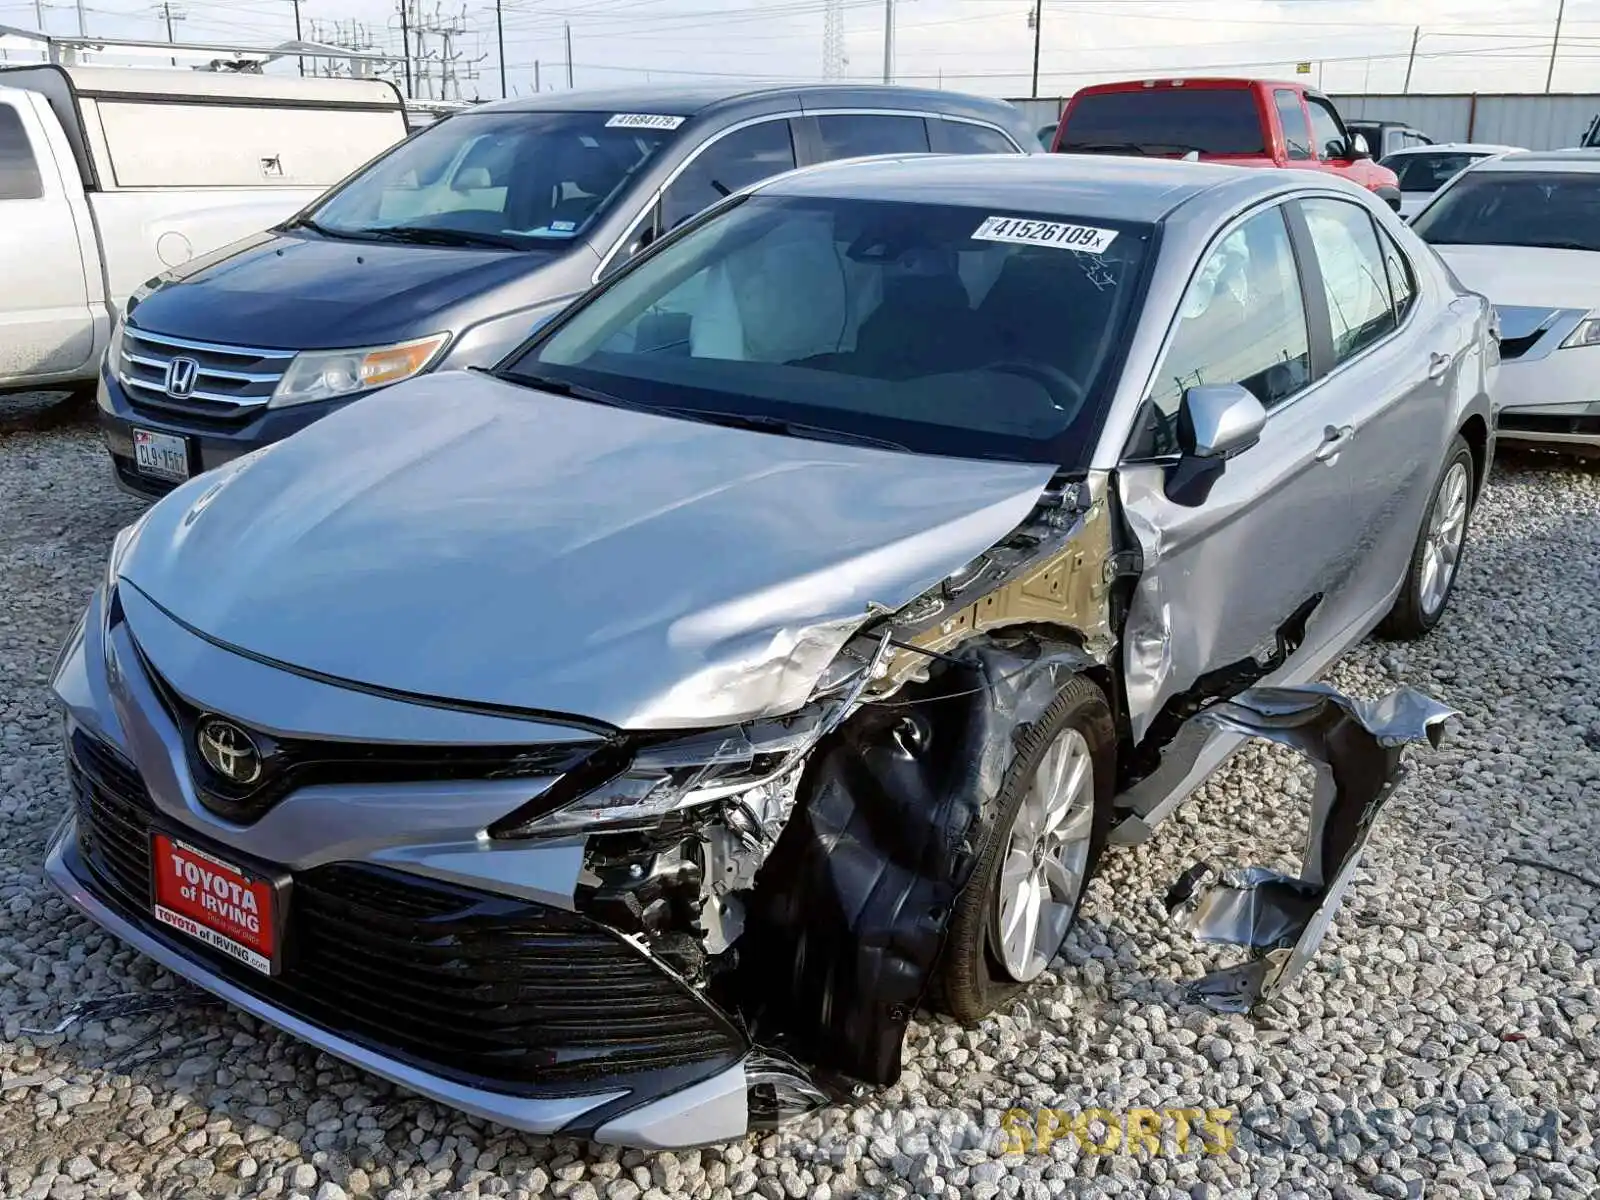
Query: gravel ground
{"points": [[1444, 1044]]}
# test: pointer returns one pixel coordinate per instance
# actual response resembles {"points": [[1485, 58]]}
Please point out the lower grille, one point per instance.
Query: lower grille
{"points": [[1513, 422], [1516, 347], [465, 984]]}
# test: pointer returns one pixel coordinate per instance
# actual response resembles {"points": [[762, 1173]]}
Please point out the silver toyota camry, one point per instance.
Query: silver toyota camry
{"points": [[626, 742]]}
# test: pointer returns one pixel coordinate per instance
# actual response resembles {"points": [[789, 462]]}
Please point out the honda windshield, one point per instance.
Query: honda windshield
{"points": [[1555, 209], [513, 179], [944, 330]]}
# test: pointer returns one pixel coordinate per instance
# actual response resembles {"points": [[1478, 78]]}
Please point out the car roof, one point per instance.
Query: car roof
{"points": [[1451, 148], [1081, 186], [1587, 161], [695, 99]]}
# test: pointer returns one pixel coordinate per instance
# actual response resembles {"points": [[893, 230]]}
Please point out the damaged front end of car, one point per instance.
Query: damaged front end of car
{"points": [[801, 871]]}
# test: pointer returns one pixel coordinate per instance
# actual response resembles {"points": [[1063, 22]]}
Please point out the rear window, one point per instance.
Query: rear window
{"points": [[1428, 172], [1165, 121]]}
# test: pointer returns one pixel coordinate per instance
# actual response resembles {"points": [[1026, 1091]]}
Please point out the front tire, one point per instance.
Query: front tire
{"points": [[1041, 840], [1436, 559]]}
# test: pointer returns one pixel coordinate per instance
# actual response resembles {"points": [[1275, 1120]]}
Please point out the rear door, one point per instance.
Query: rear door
{"points": [[1396, 359], [46, 325]]}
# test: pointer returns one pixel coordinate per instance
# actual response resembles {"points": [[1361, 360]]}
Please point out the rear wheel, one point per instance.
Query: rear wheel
{"points": [[1041, 842], [1431, 574]]}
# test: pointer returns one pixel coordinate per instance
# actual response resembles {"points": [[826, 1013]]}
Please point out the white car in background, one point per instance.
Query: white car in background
{"points": [[1524, 230], [1423, 170]]}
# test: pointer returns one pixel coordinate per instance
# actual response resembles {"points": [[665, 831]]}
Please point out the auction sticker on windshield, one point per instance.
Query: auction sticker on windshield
{"points": [[643, 121], [214, 902], [1045, 233]]}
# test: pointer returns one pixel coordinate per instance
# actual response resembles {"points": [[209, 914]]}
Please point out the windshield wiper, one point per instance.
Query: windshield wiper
{"points": [[753, 421], [766, 424], [426, 235], [577, 391], [318, 227]]}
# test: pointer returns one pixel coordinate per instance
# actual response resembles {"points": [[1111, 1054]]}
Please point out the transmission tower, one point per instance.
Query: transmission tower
{"points": [[833, 56]]}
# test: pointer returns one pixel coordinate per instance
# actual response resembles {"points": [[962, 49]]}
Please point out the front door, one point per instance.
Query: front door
{"points": [[46, 327], [1270, 548]]}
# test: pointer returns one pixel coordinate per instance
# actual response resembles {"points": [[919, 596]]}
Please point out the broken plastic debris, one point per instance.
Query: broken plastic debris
{"points": [[1358, 746]]}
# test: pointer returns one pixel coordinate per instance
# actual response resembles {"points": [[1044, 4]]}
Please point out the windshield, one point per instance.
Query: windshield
{"points": [[1429, 172], [943, 330], [1560, 210], [518, 179], [1165, 121]]}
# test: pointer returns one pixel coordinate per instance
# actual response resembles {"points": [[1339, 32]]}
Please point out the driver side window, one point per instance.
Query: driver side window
{"points": [[1326, 132], [1242, 321]]}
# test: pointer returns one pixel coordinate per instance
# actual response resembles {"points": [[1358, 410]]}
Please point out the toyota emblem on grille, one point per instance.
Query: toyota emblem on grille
{"points": [[229, 751], [181, 373]]}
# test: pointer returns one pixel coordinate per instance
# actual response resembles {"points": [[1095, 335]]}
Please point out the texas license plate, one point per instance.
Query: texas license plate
{"points": [[215, 902], [162, 455]]}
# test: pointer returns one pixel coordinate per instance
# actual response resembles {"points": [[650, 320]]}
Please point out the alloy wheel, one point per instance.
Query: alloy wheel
{"points": [[1447, 528], [1047, 853]]}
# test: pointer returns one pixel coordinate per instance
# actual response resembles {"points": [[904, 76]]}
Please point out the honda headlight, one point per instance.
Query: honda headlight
{"points": [[723, 765], [331, 374], [1587, 333]]}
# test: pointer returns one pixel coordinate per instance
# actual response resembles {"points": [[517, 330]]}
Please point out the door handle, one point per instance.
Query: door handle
{"points": [[1438, 366], [1334, 438]]}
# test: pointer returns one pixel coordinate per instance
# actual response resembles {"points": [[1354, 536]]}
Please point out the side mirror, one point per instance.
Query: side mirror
{"points": [[1216, 422], [1359, 147], [1219, 420]]}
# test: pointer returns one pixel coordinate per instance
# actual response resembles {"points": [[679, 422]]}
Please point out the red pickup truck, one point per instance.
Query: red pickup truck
{"points": [[1247, 122]]}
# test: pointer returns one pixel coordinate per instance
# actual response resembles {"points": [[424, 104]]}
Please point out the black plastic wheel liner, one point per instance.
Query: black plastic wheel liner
{"points": [[850, 910]]}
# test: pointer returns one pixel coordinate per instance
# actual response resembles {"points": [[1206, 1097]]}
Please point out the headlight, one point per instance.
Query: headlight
{"points": [[1586, 334], [719, 765], [328, 374], [120, 545]]}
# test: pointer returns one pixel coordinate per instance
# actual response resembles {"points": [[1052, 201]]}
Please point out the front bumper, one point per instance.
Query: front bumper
{"points": [[211, 442], [677, 1107], [409, 948], [1547, 396]]}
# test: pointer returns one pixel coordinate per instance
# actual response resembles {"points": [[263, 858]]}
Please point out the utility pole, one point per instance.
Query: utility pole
{"points": [[1416, 36], [888, 41], [166, 10], [405, 41], [569, 55], [1038, 33], [537, 86], [83, 29], [298, 36], [1555, 45], [500, 40], [38, 14]]}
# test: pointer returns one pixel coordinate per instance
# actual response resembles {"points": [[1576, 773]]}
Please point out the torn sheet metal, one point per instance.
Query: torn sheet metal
{"points": [[1358, 746], [851, 908]]}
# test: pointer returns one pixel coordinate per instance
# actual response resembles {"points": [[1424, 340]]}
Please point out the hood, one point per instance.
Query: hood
{"points": [[1527, 276], [462, 538], [297, 291]]}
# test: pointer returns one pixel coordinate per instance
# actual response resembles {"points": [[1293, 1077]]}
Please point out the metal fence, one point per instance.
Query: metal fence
{"points": [[1535, 122]]}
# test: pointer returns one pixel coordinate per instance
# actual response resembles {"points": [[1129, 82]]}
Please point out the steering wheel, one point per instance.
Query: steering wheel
{"points": [[1065, 392]]}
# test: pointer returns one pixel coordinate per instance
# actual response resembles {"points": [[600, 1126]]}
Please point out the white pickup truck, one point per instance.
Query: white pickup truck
{"points": [[111, 175]]}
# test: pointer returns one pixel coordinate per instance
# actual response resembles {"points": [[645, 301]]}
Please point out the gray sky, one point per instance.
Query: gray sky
{"points": [[972, 45]]}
